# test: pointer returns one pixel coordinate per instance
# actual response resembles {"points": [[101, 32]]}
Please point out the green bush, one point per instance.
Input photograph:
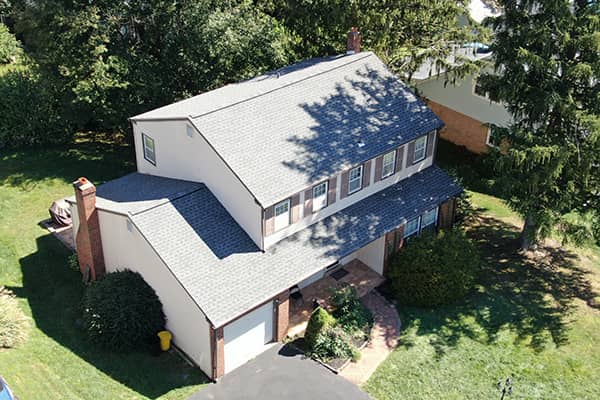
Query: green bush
{"points": [[331, 343], [350, 313], [122, 312], [14, 324], [31, 112], [9, 45], [434, 269], [320, 320]]}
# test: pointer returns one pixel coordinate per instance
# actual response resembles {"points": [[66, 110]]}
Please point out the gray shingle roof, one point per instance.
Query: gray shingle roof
{"points": [[297, 125], [226, 274], [135, 192]]}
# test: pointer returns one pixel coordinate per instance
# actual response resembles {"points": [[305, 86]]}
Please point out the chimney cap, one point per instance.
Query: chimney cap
{"points": [[83, 184]]}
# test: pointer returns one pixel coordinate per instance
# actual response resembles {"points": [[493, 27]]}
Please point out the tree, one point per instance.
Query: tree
{"points": [[402, 32], [547, 71], [9, 45]]}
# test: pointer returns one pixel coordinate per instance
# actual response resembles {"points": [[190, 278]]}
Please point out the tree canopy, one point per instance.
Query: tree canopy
{"points": [[547, 72]]}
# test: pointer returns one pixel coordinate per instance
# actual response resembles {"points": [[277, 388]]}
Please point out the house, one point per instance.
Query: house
{"points": [[248, 191], [467, 110]]}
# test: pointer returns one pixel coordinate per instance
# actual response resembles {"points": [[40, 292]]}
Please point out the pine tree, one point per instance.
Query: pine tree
{"points": [[547, 72]]}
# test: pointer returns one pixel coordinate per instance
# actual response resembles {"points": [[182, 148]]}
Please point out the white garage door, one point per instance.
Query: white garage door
{"points": [[246, 337]]}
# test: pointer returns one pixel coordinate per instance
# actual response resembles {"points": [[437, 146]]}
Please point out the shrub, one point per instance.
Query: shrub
{"points": [[14, 324], [350, 313], [333, 342], [434, 269], [9, 45], [32, 113], [122, 312], [320, 320]]}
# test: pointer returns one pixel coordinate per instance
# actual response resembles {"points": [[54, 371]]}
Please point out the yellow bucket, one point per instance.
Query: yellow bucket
{"points": [[165, 340]]}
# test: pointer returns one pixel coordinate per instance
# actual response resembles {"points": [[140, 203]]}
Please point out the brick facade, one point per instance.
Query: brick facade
{"points": [[282, 318], [447, 213], [461, 129], [217, 352], [87, 237]]}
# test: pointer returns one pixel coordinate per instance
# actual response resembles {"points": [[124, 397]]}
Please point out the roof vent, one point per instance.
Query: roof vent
{"points": [[360, 143]]}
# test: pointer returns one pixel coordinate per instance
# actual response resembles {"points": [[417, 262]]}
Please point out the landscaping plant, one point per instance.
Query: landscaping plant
{"points": [[434, 269], [320, 320], [122, 312], [333, 342], [14, 324], [9, 46], [351, 314]]}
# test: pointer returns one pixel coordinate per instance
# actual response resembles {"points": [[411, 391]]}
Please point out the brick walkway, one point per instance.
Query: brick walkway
{"points": [[384, 337]]}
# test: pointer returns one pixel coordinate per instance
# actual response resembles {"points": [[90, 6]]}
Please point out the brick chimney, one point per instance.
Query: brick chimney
{"points": [[87, 238], [353, 41]]}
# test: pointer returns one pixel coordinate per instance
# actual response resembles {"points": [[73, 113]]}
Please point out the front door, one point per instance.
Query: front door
{"points": [[393, 242]]}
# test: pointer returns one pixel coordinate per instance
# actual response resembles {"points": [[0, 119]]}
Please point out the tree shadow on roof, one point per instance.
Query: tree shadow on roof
{"points": [[368, 114]]}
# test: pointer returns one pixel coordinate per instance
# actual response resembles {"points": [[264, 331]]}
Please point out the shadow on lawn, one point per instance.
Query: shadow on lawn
{"points": [[533, 295], [54, 294], [93, 156]]}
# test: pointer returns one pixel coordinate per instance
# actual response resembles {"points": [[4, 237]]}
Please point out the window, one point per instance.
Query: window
{"points": [[412, 227], [420, 148], [282, 214], [389, 163], [189, 130], [429, 218], [319, 199], [479, 91], [492, 139], [149, 153], [355, 179]]}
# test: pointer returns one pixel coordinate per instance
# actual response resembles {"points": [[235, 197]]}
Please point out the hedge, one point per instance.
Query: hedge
{"points": [[434, 269], [320, 320]]}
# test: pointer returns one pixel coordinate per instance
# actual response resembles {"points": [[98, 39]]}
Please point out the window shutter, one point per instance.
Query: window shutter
{"points": [[331, 190], [295, 204], [399, 158], [366, 178], [378, 168], [269, 220], [308, 202], [430, 143], [411, 154], [344, 188]]}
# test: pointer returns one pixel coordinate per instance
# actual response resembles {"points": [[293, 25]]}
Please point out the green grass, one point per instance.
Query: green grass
{"points": [[57, 361], [533, 317]]}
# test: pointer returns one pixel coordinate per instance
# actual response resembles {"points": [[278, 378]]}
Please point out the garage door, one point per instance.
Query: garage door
{"points": [[246, 337]]}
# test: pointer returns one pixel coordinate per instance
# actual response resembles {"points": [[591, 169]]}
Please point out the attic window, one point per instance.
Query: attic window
{"points": [[149, 151]]}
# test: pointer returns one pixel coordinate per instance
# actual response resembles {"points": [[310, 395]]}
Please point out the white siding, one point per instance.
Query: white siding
{"points": [[180, 156], [350, 199], [129, 250], [371, 255], [460, 97]]}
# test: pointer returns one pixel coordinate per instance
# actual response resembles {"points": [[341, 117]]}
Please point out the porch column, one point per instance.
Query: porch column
{"points": [[282, 315]]}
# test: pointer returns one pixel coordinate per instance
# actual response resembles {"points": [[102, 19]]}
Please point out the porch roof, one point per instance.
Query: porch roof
{"points": [[226, 274]]}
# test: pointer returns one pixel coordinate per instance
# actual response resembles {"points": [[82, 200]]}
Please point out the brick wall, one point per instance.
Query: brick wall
{"points": [[461, 129]]}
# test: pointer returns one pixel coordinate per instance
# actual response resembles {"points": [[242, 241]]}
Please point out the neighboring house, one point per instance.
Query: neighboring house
{"points": [[247, 191], [467, 111]]}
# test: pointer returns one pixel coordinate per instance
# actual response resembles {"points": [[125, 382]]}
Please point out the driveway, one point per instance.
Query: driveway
{"points": [[281, 373]]}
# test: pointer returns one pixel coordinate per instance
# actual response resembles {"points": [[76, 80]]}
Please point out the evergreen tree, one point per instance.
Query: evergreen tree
{"points": [[547, 72]]}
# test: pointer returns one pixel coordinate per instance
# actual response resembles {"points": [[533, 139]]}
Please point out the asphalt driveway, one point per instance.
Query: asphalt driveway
{"points": [[281, 373]]}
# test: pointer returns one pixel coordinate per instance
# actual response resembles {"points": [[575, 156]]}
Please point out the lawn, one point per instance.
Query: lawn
{"points": [[57, 361], [533, 317]]}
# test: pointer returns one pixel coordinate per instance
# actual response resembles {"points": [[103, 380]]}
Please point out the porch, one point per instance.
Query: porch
{"points": [[355, 274]]}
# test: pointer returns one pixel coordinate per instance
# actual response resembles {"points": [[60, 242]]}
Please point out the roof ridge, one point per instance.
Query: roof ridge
{"points": [[366, 55]]}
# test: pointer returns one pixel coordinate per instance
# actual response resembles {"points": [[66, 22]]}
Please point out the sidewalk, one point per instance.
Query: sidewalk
{"points": [[384, 337]]}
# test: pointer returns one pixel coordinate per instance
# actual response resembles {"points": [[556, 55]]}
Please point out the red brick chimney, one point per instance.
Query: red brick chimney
{"points": [[87, 239], [353, 41]]}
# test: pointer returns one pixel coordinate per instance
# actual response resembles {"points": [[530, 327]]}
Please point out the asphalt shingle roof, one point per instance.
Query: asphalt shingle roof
{"points": [[226, 274], [302, 123], [135, 192]]}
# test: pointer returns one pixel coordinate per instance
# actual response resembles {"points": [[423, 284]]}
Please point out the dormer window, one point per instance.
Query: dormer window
{"points": [[389, 163], [149, 152], [420, 148], [319, 200], [355, 179], [282, 214]]}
